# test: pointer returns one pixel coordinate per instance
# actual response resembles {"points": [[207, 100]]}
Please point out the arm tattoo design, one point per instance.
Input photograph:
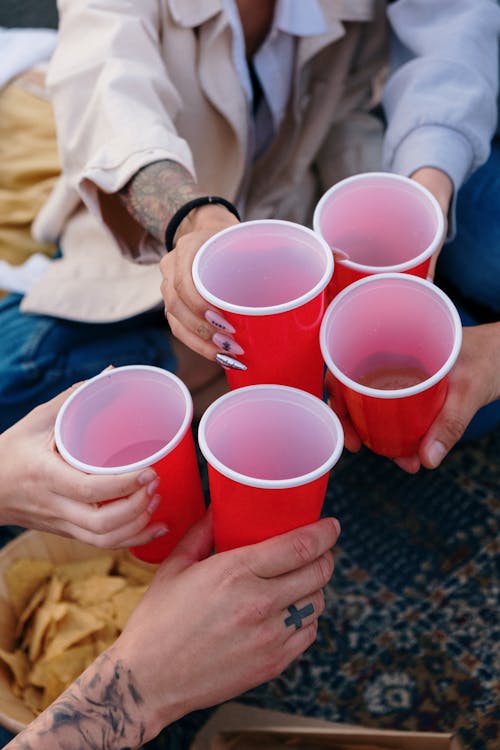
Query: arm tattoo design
{"points": [[156, 192], [100, 711]]}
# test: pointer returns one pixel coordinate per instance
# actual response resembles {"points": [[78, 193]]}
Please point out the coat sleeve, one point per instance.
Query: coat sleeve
{"points": [[440, 98], [114, 106]]}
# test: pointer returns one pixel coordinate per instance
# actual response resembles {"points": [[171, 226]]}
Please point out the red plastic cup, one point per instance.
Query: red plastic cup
{"points": [[386, 223], [268, 278], [129, 418], [390, 341], [269, 450]]}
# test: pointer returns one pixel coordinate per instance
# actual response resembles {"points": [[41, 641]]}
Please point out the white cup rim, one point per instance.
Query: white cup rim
{"points": [[269, 309], [250, 481], [389, 177], [143, 463], [396, 392]]}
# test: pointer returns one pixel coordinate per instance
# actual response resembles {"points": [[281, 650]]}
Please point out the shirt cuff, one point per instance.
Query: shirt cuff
{"points": [[438, 147]]}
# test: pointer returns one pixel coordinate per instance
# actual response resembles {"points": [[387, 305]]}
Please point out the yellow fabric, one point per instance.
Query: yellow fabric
{"points": [[29, 167]]}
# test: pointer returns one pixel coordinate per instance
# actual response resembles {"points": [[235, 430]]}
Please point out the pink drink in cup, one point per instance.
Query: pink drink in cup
{"points": [[269, 450], [129, 418], [390, 341], [386, 223], [268, 278]]}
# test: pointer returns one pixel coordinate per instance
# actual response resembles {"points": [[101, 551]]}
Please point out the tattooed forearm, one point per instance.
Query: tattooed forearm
{"points": [[100, 711], [155, 193]]}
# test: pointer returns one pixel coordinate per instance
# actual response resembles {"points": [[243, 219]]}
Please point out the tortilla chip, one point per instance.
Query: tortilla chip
{"points": [[125, 602], [94, 590], [52, 690], [33, 604], [23, 578], [75, 625], [18, 663], [82, 569], [66, 666], [32, 698], [43, 617], [55, 590], [134, 572]]}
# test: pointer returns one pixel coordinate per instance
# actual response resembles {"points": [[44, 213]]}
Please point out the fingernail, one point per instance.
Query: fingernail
{"points": [[229, 362], [218, 321], [229, 345], [147, 476], [154, 503], [435, 453], [160, 532], [153, 486], [336, 523]]}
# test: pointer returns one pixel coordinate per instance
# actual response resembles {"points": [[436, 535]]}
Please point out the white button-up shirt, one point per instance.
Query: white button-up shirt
{"points": [[273, 64]]}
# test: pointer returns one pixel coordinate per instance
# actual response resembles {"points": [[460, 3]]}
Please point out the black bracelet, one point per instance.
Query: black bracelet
{"points": [[183, 211]]}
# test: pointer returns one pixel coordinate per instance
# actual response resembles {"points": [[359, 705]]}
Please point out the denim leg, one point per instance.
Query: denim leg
{"points": [[471, 262], [5, 737], [469, 267], [40, 356]]}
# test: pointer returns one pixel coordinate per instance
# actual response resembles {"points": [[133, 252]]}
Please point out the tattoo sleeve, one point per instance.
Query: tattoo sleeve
{"points": [[156, 192], [100, 711]]}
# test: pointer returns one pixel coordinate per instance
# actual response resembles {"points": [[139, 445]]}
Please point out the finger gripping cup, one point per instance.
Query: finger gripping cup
{"points": [[129, 418], [390, 341], [268, 278]]}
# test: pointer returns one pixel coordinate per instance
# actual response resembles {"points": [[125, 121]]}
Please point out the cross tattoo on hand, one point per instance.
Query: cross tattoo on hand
{"points": [[297, 615]]}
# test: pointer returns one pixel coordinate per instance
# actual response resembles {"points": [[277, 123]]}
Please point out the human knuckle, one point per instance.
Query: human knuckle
{"points": [[101, 525], [174, 324], [272, 664], [178, 284], [231, 580], [454, 426], [96, 540], [325, 565], [268, 636], [203, 331], [319, 603], [310, 634], [257, 609], [85, 492], [302, 547]]}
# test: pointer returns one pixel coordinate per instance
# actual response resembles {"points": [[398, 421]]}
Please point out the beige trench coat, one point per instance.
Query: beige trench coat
{"points": [[158, 82]]}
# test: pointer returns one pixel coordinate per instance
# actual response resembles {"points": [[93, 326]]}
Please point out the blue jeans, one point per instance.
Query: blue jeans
{"points": [[470, 264], [468, 268], [40, 356]]}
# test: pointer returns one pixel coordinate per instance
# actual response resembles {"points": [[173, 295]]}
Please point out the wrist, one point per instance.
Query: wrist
{"points": [[190, 216], [154, 706], [205, 217], [438, 183]]}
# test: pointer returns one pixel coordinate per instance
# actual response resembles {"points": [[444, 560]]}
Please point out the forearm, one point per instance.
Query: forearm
{"points": [[156, 192], [102, 710]]}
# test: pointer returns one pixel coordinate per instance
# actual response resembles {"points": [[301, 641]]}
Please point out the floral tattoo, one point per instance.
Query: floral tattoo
{"points": [[100, 711], [156, 192]]}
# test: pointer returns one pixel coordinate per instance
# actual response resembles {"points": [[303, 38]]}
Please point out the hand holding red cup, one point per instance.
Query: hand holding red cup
{"points": [[129, 418], [389, 341]]}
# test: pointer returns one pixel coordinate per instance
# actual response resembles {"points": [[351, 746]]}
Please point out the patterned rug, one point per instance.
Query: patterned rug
{"points": [[411, 636]]}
